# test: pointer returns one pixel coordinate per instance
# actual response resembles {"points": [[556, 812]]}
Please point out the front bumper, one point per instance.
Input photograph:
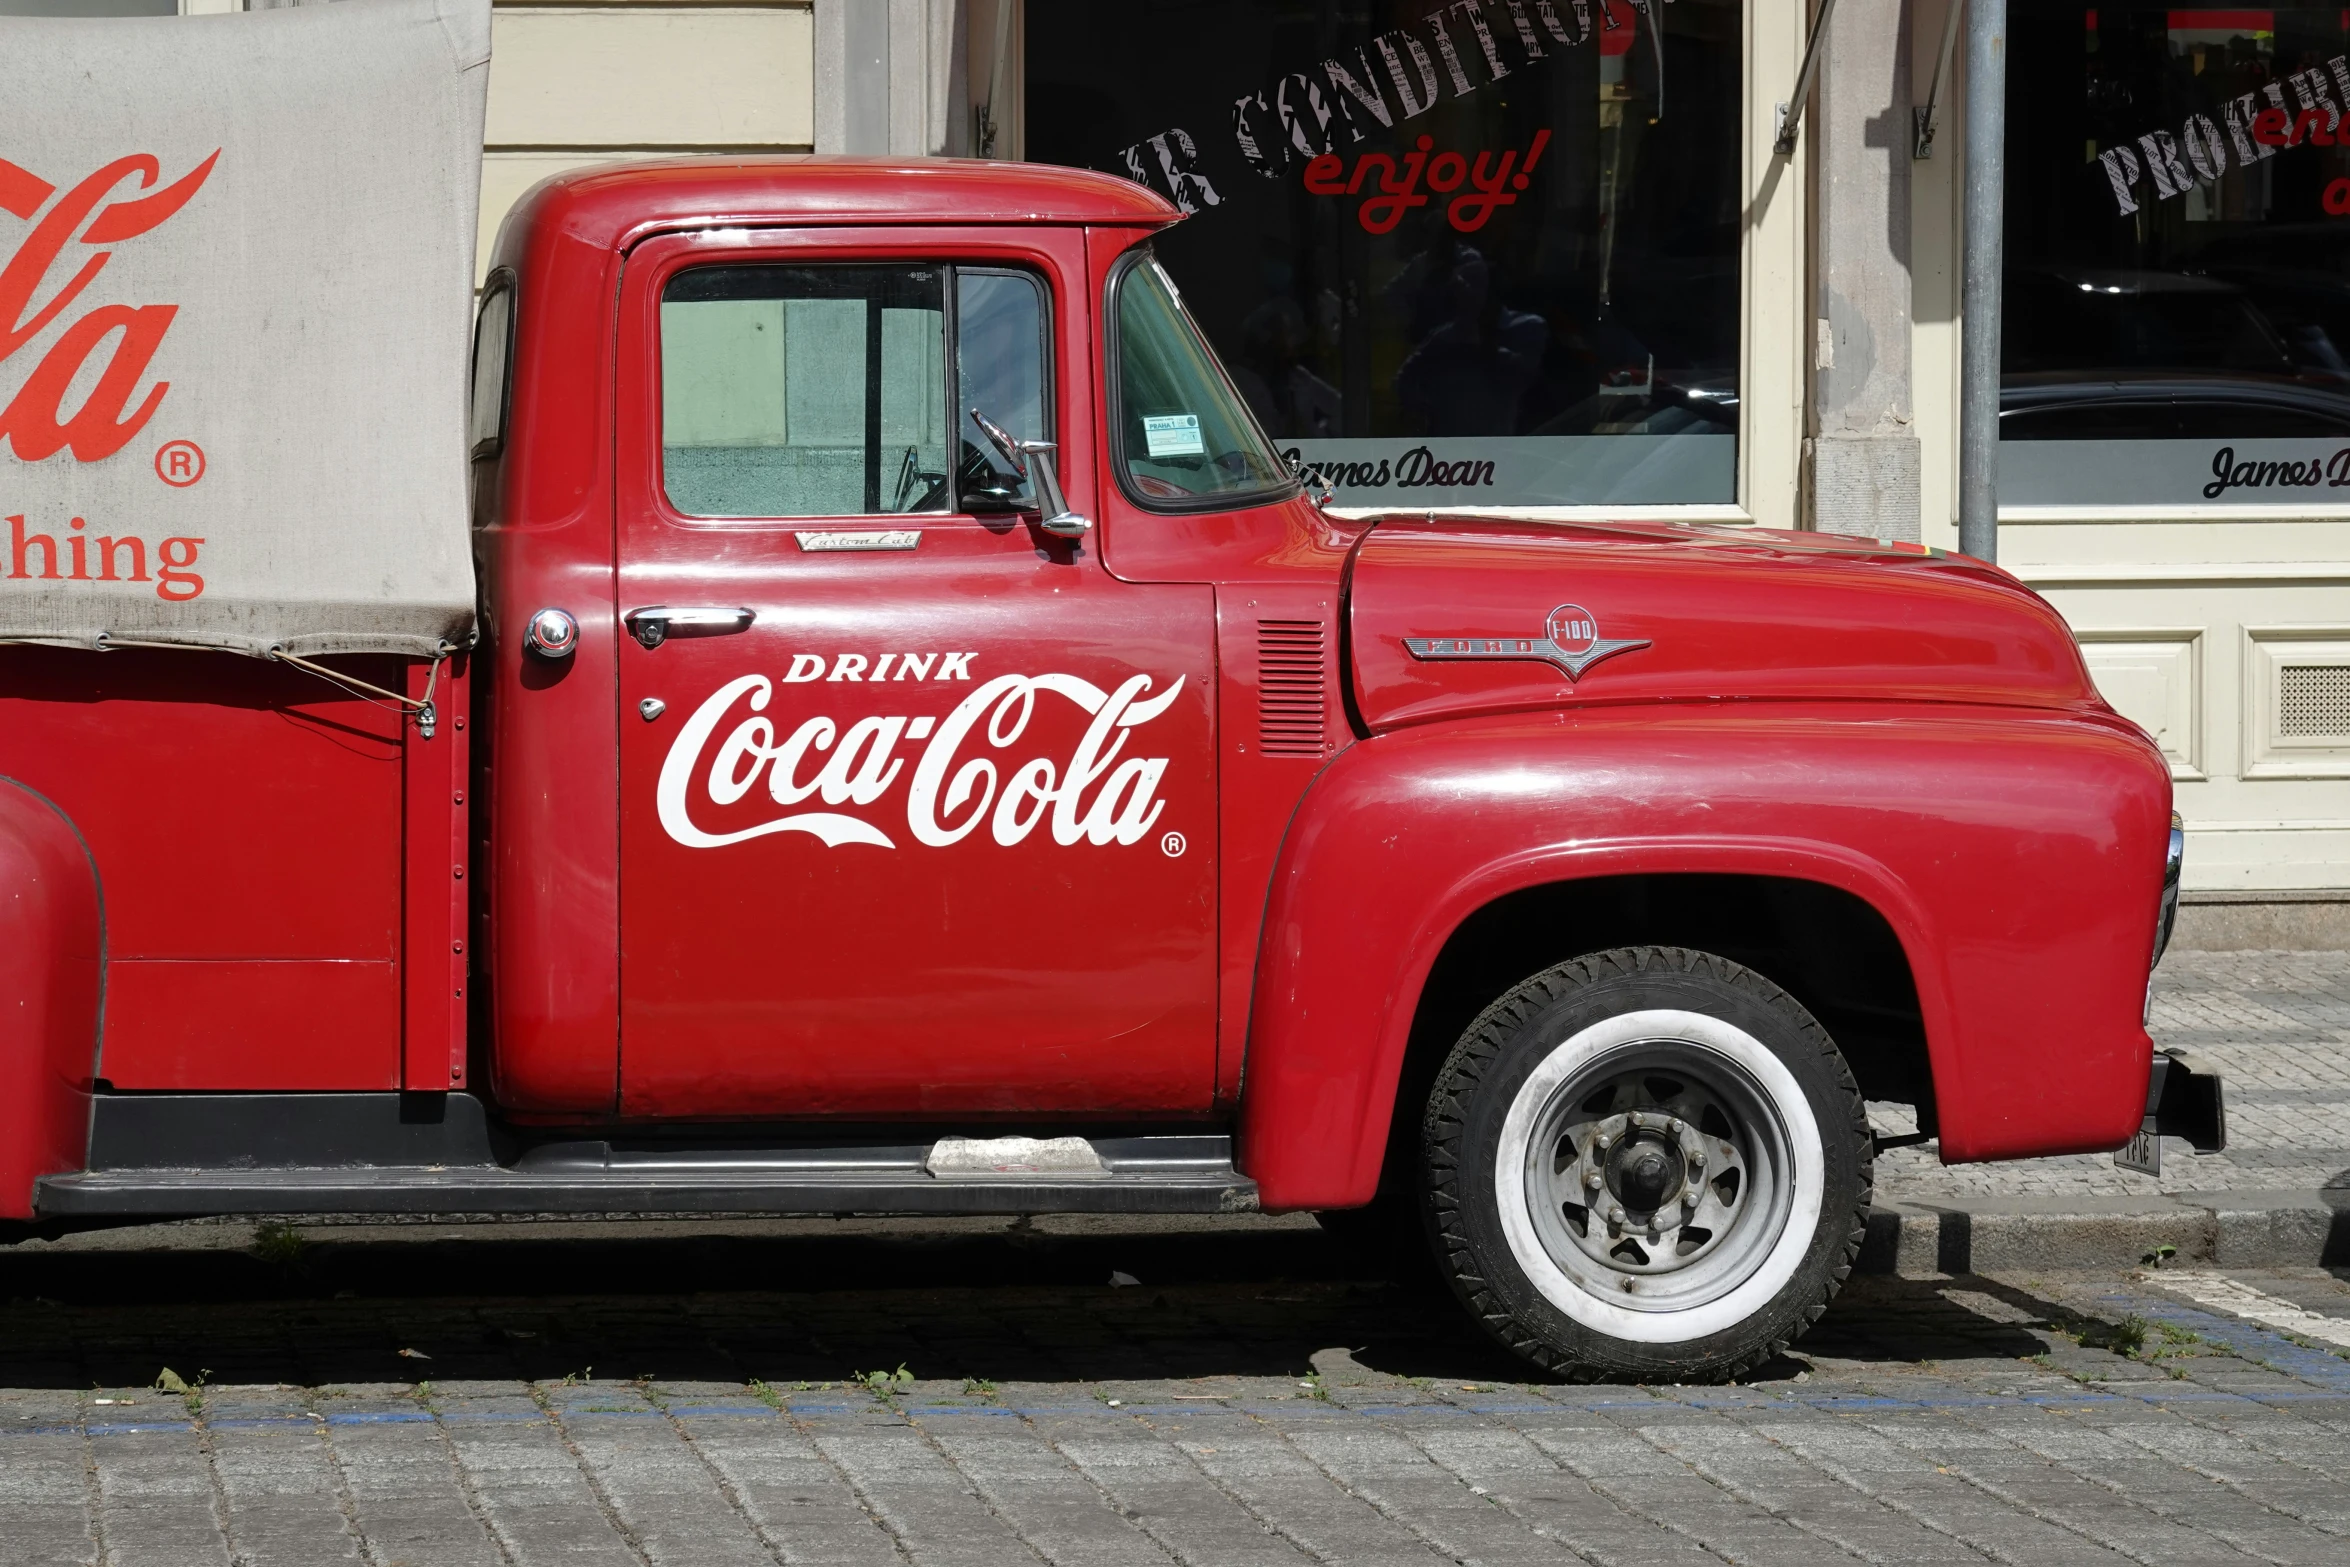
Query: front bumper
{"points": [[2184, 1098]]}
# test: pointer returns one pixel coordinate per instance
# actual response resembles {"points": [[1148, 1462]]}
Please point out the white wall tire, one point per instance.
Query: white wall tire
{"points": [[1650, 1163]]}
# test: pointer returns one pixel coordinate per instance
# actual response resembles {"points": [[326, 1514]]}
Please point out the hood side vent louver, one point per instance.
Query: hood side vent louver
{"points": [[1292, 696]]}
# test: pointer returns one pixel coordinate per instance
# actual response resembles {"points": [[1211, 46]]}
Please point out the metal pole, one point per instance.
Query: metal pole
{"points": [[1978, 373]]}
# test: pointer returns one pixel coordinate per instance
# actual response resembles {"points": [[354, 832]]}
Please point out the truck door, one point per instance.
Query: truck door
{"points": [[917, 800]]}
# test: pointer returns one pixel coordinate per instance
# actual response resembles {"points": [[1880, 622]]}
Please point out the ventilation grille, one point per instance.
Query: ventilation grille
{"points": [[1291, 700], [2313, 701]]}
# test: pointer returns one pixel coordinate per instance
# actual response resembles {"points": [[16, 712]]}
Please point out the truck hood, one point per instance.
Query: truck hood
{"points": [[1463, 616]]}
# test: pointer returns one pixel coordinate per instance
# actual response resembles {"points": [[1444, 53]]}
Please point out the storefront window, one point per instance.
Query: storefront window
{"points": [[2177, 305], [1482, 252]]}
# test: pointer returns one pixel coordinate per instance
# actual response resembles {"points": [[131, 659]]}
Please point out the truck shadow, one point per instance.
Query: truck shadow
{"points": [[788, 1302]]}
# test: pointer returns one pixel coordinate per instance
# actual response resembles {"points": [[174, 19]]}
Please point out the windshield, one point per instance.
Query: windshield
{"points": [[1183, 433]]}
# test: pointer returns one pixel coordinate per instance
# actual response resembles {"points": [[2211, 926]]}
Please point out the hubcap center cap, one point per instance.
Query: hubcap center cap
{"points": [[1645, 1173]]}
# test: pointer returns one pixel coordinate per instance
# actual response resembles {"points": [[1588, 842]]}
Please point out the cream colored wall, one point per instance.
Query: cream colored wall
{"points": [[2187, 616], [584, 84]]}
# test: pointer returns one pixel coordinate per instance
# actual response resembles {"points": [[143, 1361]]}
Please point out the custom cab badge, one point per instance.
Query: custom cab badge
{"points": [[1573, 645]]}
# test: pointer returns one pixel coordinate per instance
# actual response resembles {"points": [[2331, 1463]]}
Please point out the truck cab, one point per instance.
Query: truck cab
{"points": [[922, 751], [892, 753]]}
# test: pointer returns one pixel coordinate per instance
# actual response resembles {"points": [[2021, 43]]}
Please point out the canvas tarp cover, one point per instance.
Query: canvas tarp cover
{"points": [[236, 267]]}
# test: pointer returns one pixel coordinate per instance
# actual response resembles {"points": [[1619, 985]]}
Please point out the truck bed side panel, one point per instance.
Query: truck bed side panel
{"points": [[245, 821]]}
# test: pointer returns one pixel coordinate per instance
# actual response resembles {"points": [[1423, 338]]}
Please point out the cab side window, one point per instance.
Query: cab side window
{"points": [[1000, 376], [804, 391]]}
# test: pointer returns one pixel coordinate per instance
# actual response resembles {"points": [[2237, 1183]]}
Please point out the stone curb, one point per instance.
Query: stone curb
{"points": [[2230, 1229]]}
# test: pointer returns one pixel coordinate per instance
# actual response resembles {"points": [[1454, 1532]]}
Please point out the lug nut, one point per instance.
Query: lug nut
{"points": [[1593, 1179], [1697, 1158]]}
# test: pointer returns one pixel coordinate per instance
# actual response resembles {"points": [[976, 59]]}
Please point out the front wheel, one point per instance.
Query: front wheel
{"points": [[1647, 1164]]}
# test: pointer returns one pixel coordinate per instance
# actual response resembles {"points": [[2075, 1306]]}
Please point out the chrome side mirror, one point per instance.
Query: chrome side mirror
{"points": [[1034, 459]]}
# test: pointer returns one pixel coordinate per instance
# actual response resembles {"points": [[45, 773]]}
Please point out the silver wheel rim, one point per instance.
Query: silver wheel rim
{"points": [[1657, 1176], [1717, 1085]]}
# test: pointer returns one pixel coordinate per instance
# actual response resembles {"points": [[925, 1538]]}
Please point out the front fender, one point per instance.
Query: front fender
{"points": [[2017, 857], [52, 989]]}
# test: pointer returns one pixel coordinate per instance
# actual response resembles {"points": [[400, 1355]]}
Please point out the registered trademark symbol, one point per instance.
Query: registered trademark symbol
{"points": [[179, 463], [1173, 845]]}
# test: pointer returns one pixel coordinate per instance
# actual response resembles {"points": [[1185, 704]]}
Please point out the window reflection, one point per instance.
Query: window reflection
{"points": [[1450, 254], [2177, 301]]}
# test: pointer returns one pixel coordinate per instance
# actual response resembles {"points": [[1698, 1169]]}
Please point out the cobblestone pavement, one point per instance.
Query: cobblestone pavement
{"points": [[512, 1395], [2275, 1024]]}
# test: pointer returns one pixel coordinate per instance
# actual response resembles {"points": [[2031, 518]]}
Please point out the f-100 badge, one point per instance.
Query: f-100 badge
{"points": [[1573, 644]]}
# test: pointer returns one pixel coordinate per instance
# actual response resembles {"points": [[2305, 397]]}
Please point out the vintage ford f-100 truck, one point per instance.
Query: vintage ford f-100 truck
{"points": [[919, 750]]}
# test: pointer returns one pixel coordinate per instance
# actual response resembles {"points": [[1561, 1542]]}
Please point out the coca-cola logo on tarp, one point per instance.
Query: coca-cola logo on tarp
{"points": [[1095, 795], [120, 339]]}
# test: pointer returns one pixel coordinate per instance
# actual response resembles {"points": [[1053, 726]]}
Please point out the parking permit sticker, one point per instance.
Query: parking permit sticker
{"points": [[1172, 435]]}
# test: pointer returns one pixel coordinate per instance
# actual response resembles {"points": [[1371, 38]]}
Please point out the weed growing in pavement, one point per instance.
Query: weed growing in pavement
{"points": [[764, 1394], [575, 1378], [882, 1382], [2128, 1336], [190, 1393], [1315, 1389], [978, 1385], [2160, 1255], [279, 1244]]}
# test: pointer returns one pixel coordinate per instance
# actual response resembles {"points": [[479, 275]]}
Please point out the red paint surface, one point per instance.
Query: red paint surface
{"points": [[213, 1025], [436, 856], [52, 975], [1727, 615], [239, 812], [2017, 859]]}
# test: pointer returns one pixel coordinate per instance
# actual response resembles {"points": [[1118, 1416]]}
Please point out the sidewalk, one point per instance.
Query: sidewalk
{"points": [[2277, 1027]]}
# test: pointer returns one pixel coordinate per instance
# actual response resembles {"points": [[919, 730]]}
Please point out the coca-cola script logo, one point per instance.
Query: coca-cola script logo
{"points": [[1095, 796], [35, 421]]}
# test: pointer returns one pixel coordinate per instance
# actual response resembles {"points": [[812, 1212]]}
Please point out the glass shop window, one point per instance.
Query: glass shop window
{"points": [[2177, 296], [1484, 252], [804, 391]]}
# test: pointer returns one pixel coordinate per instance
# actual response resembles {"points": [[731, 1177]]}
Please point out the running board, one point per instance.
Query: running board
{"points": [[1175, 1173]]}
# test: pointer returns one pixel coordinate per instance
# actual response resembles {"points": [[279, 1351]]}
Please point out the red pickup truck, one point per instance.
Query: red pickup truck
{"points": [[924, 753]]}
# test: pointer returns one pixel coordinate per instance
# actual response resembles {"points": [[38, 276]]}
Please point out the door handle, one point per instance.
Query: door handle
{"points": [[653, 624]]}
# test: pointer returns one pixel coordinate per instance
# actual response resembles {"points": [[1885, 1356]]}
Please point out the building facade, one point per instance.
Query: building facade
{"points": [[1558, 257]]}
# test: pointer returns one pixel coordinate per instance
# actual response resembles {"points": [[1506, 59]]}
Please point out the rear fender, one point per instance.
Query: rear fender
{"points": [[2016, 857], [52, 993]]}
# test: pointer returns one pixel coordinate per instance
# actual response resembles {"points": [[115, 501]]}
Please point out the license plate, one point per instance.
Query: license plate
{"points": [[2142, 1153]]}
